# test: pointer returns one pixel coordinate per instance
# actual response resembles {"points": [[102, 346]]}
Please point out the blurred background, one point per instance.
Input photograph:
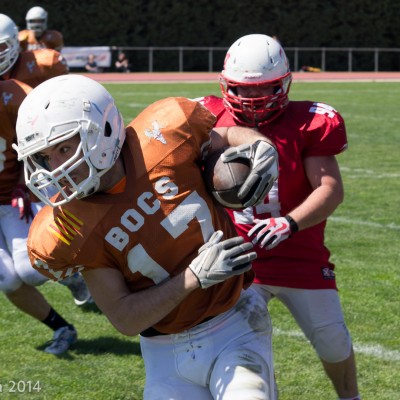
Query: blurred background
{"points": [[177, 35]]}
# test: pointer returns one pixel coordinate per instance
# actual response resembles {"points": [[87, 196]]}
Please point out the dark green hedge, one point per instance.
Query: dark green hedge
{"points": [[340, 23]]}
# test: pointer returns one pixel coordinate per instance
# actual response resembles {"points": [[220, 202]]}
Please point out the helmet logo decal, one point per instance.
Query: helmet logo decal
{"points": [[228, 55], [7, 97], [155, 132], [30, 65]]}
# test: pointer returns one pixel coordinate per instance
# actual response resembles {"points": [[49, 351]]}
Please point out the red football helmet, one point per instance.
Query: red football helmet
{"points": [[255, 61]]}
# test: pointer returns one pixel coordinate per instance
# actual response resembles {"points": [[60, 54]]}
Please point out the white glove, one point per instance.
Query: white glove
{"points": [[269, 232], [263, 159], [218, 261]]}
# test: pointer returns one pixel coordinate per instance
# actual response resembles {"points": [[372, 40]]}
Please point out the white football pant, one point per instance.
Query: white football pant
{"points": [[319, 314], [15, 267], [227, 358]]}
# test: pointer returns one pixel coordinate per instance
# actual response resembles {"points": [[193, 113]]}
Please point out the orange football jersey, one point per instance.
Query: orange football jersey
{"points": [[48, 40], [36, 66], [154, 228], [12, 95]]}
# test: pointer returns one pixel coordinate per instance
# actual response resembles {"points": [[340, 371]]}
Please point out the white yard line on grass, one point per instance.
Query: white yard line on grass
{"points": [[376, 351], [365, 223]]}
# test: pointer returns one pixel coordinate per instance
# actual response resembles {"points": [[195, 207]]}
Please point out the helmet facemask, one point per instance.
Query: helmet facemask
{"points": [[37, 25], [9, 44], [256, 111], [45, 182]]}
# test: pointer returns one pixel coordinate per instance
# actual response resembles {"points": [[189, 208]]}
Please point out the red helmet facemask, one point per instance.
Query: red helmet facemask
{"points": [[256, 111]]}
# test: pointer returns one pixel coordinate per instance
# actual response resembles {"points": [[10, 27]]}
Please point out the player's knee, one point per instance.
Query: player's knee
{"points": [[253, 377], [30, 276], [332, 342], [9, 281]]}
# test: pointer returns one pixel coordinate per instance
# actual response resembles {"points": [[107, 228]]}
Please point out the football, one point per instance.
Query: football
{"points": [[223, 180]]}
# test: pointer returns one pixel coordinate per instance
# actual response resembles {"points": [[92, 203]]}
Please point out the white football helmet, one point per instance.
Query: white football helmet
{"points": [[255, 60], [36, 20], [56, 110], [9, 44]]}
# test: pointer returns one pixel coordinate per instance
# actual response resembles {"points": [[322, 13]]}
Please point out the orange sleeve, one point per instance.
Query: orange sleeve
{"points": [[13, 93], [51, 62]]}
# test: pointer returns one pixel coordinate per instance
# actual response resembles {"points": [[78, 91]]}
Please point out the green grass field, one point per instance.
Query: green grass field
{"points": [[363, 236]]}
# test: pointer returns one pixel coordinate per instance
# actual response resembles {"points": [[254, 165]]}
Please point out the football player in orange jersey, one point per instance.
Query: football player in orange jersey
{"points": [[160, 257], [30, 67], [37, 36], [17, 277]]}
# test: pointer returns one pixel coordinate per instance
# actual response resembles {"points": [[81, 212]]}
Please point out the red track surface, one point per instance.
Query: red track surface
{"points": [[163, 77]]}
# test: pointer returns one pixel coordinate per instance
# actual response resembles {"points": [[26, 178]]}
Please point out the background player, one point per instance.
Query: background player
{"points": [[288, 227], [17, 277], [36, 35], [30, 67]]}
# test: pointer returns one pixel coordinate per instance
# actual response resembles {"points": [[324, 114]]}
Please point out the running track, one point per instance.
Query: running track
{"points": [[165, 77]]}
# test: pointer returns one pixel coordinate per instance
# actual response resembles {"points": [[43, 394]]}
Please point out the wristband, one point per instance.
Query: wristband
{"points": [[292, 223]]}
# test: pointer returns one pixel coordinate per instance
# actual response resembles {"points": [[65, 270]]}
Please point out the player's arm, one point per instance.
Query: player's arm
{"points": [[235, 136], [131, 313], [324, 176]]}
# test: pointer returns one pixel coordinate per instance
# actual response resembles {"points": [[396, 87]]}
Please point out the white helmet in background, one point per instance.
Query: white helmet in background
{"points": [[9, 44], [56, 110], [36, 20], [255, 60]]}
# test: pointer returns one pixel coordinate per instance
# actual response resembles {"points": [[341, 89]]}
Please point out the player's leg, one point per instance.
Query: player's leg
{"points": [[320, 316], [228, 357], [25, 297], [163, 376], [244, 368]]}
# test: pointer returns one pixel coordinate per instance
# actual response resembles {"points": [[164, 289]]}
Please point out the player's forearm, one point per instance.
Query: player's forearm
{"points": [[141, 310], [321, 203], [237, 135]]}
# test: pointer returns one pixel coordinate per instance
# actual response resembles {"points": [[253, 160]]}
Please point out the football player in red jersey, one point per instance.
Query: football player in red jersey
{"points": [[288, 227], [17, 277], [160, 257], [30, 67], [36, 35]]}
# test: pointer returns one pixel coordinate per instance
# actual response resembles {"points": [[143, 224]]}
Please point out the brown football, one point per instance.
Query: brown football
{"points": [[223, 180]]}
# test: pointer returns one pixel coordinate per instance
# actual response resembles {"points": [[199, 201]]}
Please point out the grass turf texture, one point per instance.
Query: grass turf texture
{"points": [[363, 236]]}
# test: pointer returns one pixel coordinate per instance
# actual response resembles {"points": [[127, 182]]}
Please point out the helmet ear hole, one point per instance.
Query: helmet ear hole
{"points": [[107, 130]]}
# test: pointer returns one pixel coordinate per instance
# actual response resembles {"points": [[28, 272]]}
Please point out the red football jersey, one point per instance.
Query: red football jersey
{"points": [[12, 95], [35, 67], [303, 130], [154, 228], [48, 40]]}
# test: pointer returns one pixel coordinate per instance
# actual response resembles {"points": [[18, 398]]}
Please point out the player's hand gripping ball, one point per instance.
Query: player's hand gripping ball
{"points": [[240, 177], [224, 179]]}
